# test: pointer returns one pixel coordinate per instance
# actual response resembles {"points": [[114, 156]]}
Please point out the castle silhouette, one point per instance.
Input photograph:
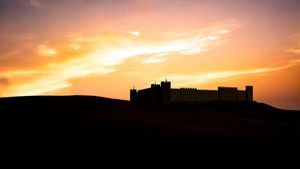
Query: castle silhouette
{"points": [[164, 94]]}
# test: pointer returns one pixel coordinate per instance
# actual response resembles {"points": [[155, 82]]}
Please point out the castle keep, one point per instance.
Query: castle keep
{"points": [[164, 94]]}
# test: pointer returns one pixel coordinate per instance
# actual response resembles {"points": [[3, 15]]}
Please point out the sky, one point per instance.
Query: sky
{"points": [[105, 47]]}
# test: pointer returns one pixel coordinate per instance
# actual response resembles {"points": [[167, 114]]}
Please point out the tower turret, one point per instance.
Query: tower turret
{"points": [[166, 92], [133, 95], [249, 93]]}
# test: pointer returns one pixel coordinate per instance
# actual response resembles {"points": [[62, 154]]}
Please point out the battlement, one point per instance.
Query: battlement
{"points": [[155, 86], [226, 87], [207, 90], [163, 94], [186, 88]]}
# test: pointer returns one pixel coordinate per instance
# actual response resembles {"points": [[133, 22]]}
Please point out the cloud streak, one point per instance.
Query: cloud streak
{"points": [[108, 51], [296, 47], [45, 50], [185, 80], [36, 3]]}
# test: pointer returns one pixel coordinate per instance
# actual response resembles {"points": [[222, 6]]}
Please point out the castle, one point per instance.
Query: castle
{"points": [[164, 94]]}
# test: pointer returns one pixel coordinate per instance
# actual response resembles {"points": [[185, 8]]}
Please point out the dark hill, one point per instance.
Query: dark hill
{"points": [[101, 120]]}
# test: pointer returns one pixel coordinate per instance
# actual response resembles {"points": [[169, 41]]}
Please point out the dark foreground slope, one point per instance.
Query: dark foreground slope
{"points": [[85, 119]]}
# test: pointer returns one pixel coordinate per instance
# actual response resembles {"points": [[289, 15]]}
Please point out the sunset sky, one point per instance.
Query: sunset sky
{"points": [[104, 47]]}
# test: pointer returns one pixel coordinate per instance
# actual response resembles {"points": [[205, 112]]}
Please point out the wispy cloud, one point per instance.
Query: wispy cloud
{"points": [[155, 59], [106, 53], [198, 78], [109, 51], [36, 3], [295, 51], [296, 48], [133, 33], [45, 50]]}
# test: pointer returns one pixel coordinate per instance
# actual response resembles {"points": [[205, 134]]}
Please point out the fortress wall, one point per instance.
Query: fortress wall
{"points": [[144, 95], [207, 95], [147, 96], [228, 94], [193, 95], [163, 94], [183, 95], [242, 95], [175, 95]]}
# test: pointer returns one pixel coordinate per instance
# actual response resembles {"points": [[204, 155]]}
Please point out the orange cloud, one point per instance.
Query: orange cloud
{"points": [[45, 50], [106, 52], [296, 48], [186, 80]]}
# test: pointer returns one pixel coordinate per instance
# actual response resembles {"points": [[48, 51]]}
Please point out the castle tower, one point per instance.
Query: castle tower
{"points": [[166, 92], [249, 93], [133, 95]]}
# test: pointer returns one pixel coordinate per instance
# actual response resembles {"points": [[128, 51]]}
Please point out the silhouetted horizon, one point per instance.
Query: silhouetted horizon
{"points": [[119, 122], [70, 95]]}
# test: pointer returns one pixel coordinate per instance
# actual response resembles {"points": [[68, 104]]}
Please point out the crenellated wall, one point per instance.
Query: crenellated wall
{"points": [[193, 95], [228, 94], [242, 95], [163, 94]]}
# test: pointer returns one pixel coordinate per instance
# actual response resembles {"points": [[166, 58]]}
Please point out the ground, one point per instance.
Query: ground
{"points": [[102, 120]]}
